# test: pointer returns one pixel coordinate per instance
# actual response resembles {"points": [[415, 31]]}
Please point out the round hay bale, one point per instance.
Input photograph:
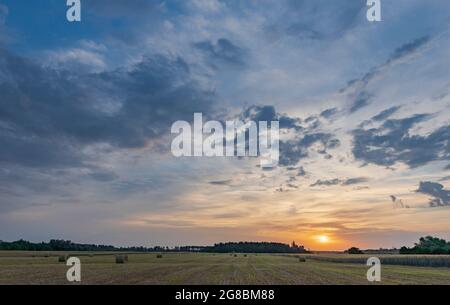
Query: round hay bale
{"points": [[302, 259], [120, 259], [62, 258], [159, 256]]}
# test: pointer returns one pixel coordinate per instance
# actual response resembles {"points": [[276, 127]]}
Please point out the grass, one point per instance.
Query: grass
{"points": [[405, 260], [217, 269]]}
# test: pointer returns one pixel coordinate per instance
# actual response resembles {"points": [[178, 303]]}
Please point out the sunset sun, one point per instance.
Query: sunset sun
{"points": [[323, 239]]}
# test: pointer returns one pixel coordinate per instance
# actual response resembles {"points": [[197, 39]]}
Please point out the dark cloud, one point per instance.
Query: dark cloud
{"points": [[301, 172], [441, 196], [326, 182], [222, 51], [356, 89], [361, 101], [385, 114], [393, 142], [51, 114], [292, 151], [352, 181], [399, 54], [56, 121], [398, 203], [342, 182], [260, 113], [306, 135], [268, 114], [104, 175], [409, 48], [328, 113], [220, 182]]}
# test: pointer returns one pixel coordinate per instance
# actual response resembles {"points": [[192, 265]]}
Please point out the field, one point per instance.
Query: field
{"points": [[217, 269]]}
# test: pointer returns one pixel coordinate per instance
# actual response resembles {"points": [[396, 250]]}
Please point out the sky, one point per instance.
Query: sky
{"points": [[86, 109]]}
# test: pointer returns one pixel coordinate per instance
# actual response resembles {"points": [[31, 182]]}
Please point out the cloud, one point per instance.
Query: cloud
{"points": [[104, 175], [267, 114], [222, 51], [326, 182], [385, 114], [398, 203], [441, 196], [304, 134], [220, 182], [52, 121], [408, 48], [323, 19], [76, 60], [401, 53], [342, 182], [150, 97], [393, 142], [328, 113], [211, 6], [301, 172], [362, 100], [353, 181], [356, 89], [292, 151]]}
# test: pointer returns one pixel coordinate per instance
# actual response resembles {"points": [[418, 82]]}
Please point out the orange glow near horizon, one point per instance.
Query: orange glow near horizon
{"points": [[323, 239], [325, 242]]}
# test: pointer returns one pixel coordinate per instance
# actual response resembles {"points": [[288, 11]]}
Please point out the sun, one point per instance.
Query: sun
{"points": [[323, 239]]}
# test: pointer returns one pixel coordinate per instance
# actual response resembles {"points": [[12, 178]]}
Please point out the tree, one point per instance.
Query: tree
{"points": [[354, 250]]}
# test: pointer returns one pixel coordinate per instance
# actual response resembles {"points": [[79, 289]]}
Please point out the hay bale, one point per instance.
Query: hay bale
{"points": [[302, 259], [245, 255], [62, 258], [159, 256], [120, 259]]}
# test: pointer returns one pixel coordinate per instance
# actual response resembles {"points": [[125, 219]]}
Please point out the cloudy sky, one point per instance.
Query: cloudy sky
{"points": [[86, 110]]}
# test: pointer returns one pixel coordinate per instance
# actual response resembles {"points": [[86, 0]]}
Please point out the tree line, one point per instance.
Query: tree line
{"points": [[428, 245], [255, 247], [240, 247]]}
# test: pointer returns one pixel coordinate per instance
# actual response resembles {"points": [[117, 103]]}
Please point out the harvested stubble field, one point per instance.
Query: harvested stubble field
{"points": [[218, 269]]}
